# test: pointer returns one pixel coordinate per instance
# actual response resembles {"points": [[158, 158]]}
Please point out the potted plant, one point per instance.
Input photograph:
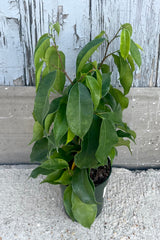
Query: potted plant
{"points": [[76, 133]]}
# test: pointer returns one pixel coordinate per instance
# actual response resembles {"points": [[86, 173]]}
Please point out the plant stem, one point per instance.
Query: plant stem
{"points": [[108, 44], [73, 166]]}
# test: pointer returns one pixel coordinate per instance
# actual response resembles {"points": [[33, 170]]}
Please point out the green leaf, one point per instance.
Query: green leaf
{"points": [[86, 157], [100, 35], [41, 105], [60, 127], [123, 142], [131, 63], [40, 51], [139, 46], [95, 89], [67, 201], [106, 80], [56, 26], [41, 40], [48, 122], [117, 61], [126, 75], [39, 150], [110, 101], [124, 127], [119, 97], [104, 68], [135, 53], [54, 105], [84, 213], [79, 110], [125, 43], [108, 139], [82, 186], [55, 60], [86, 53], [38, 73], [54, 164], [52, 177], [112, 154], [37, 132], [37, 171], [70, 136], [123, 134], [128, 26], [65, 178]]}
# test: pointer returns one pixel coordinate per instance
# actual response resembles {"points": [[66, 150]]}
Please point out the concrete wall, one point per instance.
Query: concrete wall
{"points": [[23, 21], [143, 116]]}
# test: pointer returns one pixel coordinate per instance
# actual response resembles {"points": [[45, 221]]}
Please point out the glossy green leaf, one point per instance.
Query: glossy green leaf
{"points": [[108, 139], [41, 104], [37, 132], [54, 105], [106, 80], [119, 97], [123, 142], [52, 177], [86, 52], [70, 136], [56, 26], [60, 127], [95, 90], [41, 50], [139, 46], [39, 150], [131, 62], [135, 53], [126, 75], [37, 171], [100, 35], [68, 202], [65, 178], [86, 157], [54, 164], [125, 43], [82, 187], [84, 213], [48, 122], [79, 110], [55, 60], [128, 26], [41, 40]]}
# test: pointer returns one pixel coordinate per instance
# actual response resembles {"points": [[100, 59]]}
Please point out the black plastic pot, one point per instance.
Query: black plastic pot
{"points": [[99, 193]]}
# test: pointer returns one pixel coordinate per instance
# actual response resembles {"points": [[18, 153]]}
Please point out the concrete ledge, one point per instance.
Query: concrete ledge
{"points": [[143, 115], [32, 211]]}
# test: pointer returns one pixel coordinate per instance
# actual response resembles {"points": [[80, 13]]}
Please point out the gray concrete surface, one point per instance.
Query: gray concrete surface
{"points": [[30, 211], [143, 115]]}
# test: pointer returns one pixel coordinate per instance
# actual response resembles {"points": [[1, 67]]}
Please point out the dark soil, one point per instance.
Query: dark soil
{"points": [[100, 174]]}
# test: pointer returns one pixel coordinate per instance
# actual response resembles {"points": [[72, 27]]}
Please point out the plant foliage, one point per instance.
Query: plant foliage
{"points": [[83, 126]]}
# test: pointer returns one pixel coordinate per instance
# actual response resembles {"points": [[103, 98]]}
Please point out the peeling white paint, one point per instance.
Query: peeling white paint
{"points": [[23, 21]]}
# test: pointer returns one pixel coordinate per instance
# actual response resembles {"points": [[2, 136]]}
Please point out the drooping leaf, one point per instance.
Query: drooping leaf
{"points": [[79, 110], [123, 134], [86, 157], [65, 178], [56, 26], [37, 171], [84, 213], [126, 75], [37, 132], [41, 105], [100, 35], [125, 43], [108, 139], [60, 127], [41, 40], [82, 187], [135, 53], [131, 62], [122, 142], [54, 164], [128, 26], [117, 61], [123, 126], [48, 122], [119, 97], [139, 46], [67, 201], [39, 150], [40, 51], [86, 53], [106, 80], [95, 89], [112, 154], [52, 177], [55, 60]]}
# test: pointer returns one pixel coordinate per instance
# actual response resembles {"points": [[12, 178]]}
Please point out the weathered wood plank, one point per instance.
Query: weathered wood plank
{"points": [[143, 116]]}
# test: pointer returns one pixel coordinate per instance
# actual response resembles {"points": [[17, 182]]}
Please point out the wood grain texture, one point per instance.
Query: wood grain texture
{"points": [[23, 21]]}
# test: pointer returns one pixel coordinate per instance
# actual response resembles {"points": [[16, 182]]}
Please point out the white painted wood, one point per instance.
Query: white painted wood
{"points": [[23, 21]]}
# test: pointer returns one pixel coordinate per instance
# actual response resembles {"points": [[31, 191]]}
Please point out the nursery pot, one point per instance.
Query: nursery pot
{"points": [[100, 191]]}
